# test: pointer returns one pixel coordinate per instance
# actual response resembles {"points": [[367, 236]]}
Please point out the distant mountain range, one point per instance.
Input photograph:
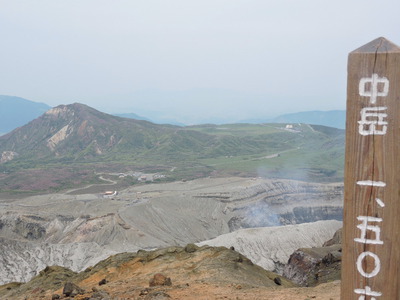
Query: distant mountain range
{"points": [[78, 135], [16, 112], [133, 116], [78, 132], [331, 118]]}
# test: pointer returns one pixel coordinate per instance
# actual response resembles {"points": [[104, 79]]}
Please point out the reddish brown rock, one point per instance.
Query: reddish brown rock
{"points": [[160, 280]]}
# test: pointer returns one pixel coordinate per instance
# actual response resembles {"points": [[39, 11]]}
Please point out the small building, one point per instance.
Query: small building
{"points": [[110, 194], [142, 178]]}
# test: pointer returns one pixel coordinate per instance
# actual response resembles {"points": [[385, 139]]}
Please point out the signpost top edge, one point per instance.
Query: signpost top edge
{"points": [[379, 45]]}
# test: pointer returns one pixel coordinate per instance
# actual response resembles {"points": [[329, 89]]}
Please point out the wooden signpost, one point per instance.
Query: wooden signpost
{"points": [[371, 234]]}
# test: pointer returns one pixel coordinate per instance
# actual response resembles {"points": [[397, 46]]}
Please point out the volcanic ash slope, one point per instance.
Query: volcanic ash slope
{"points": [[270, 247]]}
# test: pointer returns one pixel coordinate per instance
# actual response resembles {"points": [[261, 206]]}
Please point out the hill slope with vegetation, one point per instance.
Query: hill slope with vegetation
{"points": [[83, 141]]}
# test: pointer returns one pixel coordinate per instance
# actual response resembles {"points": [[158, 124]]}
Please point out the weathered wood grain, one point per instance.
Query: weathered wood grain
{"points": [[372, 174]]}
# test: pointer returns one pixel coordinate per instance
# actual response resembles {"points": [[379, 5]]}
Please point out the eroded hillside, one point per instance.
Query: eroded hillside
{"points": [[171, 273], [78, 230]]}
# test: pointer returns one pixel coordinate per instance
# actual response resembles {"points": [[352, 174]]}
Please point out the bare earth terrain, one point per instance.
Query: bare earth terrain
{"points": [[183, 273], [78, 231]]}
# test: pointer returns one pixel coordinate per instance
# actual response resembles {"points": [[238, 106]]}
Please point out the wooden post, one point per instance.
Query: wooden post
{"points": [[371, 234]]}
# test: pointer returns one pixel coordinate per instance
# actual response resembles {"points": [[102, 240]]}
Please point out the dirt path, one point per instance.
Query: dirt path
{"points": [[81, 190]]}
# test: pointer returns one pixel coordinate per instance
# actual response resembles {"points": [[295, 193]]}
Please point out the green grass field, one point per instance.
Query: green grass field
{"points": [[299, 151]]}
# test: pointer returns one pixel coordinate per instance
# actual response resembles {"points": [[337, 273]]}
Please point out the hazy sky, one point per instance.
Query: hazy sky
{"points": [[188, 60]]}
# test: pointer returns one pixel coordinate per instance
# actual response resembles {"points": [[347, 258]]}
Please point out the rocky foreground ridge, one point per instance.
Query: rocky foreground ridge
{"points": [[188, 272], [183, 265], [182, 272]]}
